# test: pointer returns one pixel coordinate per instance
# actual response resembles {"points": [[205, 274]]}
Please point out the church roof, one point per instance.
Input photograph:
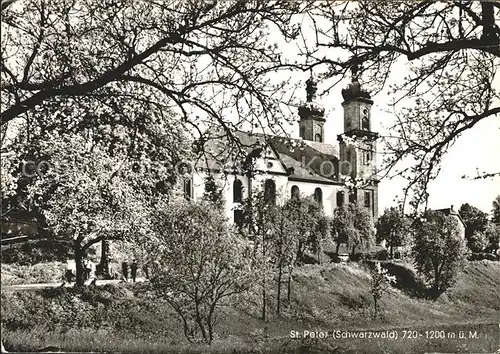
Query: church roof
{"points": [[302, 159]]}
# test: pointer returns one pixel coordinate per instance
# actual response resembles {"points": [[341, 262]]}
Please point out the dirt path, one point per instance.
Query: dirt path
{"points": [[33, 287]]}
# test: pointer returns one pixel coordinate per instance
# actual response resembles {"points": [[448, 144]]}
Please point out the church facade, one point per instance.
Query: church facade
{"points": [[334, 174]]}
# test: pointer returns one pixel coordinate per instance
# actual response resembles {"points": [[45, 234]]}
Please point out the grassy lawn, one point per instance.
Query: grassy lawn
{"points": [[128, 318]]}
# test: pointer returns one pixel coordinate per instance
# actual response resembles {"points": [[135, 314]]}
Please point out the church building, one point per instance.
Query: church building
{"points": [[333, 174]]}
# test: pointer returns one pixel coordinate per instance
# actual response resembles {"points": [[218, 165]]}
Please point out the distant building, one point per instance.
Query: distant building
{"points": [[456, 215], [304, 166], [19, 223]]}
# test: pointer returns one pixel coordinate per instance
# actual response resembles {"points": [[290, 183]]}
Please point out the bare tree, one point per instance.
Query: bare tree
{"points": [[210, 62], [202, 264], [451, 52]]}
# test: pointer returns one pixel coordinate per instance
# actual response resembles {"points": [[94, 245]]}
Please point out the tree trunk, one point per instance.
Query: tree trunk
{"points": [[279, 290], [289, 287], [354, 249], [264, 281], [436, 282], [104, 263], [211, 322], [298, 256], [79, 256], [264, 300], [338, 247], [199, 321], [375, 302]]}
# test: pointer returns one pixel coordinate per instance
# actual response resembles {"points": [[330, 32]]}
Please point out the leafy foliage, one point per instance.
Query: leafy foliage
{"points": [[496, 210], [393, 227], [438, 250], [380, 282], [282, 234], [478, 241], [213, 192], [492, 234], [475, 224], [93, 182], [353, 225]]}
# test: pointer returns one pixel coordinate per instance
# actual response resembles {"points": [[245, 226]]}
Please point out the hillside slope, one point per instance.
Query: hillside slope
{"points": [[324, 297]]}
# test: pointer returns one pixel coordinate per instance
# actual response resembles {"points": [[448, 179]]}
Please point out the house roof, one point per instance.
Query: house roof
{"points": [[302, 159], [451, 211]]}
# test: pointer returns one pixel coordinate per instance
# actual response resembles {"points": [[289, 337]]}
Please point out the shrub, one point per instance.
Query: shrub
{"points": [[438, 250], [382, 255], [44, 251], [357, 257], [37, 273], [479, 256]]}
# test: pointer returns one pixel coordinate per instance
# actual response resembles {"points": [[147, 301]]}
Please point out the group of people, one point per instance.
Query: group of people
{"points": [[133, 270], [127, 267], [69, 273]]}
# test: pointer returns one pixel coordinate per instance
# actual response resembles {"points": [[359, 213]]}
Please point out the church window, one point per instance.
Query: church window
{"points": [[237, 191], [348, 155], [340, 198], [238, 217], [365, 124], [318, 195], [188, 188], [295, 192], [270, 191], [352, 197], [365, 121], [368, 202], [317, 138]]}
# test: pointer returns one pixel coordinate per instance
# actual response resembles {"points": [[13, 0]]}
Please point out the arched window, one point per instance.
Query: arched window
{"points": [[295, 192], [368, 200], [317, 138], [340, 198], [188, 188], [270, 191], [365, 124], [365, 120], [237, 191], [348, 155], [369, 154], [238, 217], [318, 195]]}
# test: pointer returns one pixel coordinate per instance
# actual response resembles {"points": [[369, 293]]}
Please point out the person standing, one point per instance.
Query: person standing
{"points": [[133, 270], [125, 270]]}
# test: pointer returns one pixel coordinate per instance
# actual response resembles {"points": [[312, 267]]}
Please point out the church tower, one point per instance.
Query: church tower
{"points": [[312, 115], [358, 146]]}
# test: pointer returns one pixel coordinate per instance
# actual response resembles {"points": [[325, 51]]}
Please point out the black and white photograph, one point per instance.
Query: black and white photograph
{"points": [[250, 176]]}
